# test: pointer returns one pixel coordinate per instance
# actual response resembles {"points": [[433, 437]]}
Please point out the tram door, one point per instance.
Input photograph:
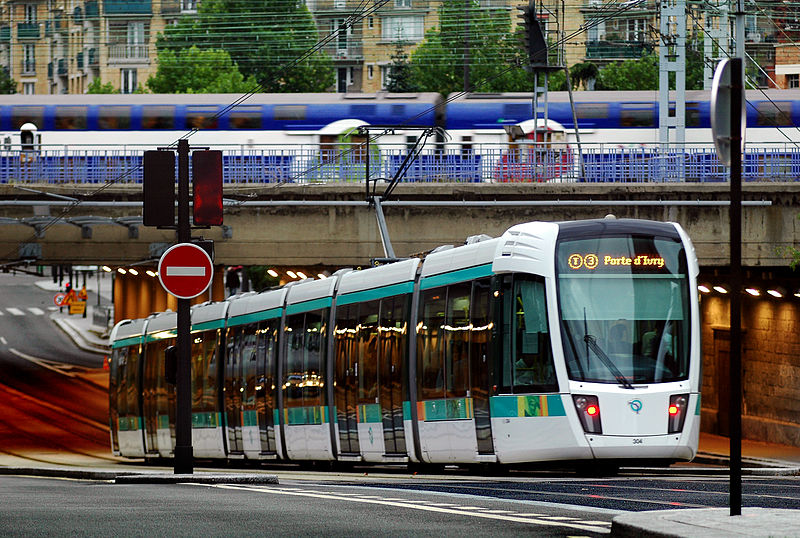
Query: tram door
{"points": [[392, 333], [480, 342], [233, 389], [346, 376], [265, 383]]}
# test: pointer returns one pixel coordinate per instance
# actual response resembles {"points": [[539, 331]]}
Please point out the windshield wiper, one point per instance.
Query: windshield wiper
{"points": [[591, 342]]}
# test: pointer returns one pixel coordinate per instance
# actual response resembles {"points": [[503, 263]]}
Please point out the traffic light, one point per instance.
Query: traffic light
{"points": [[533, 37], [207, 187], [159, 188]]}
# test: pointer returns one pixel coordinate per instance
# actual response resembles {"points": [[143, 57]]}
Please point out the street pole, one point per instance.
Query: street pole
{"points": [[183, 418], [737, 91]]}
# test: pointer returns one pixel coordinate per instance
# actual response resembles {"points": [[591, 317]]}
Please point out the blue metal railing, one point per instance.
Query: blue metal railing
{"points": [[495, 163]]}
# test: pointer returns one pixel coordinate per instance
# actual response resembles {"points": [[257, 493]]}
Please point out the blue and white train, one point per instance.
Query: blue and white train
{"points": [[570, 341]]}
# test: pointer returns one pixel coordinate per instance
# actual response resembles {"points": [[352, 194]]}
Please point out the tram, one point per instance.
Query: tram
{"points": [[557, 341]]}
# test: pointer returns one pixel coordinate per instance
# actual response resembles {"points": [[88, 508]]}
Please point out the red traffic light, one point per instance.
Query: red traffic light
{"points": [[207, 187]]}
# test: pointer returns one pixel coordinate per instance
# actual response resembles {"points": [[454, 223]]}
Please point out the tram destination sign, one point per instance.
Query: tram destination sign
{"points": [[185, 270]]}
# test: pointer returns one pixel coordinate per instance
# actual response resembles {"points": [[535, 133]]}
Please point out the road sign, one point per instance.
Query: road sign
{"points": [[58, 298], [185, 270], [721, 112]]}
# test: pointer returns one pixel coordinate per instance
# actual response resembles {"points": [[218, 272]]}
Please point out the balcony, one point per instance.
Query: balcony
{"points": [[28, 30], [125, 53], [5, 34], [617, 50], [170, 7], [28, 67], [92, 9], [127, 7]]}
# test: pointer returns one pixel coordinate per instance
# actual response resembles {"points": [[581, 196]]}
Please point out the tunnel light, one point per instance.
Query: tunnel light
{"points": [[301, 275], [151, 273], [752, 291], [106, 268], [291, 274], [133, 271], [121, 270], [775, 293], [321, 276], [797, 293], [720, 289], [273, 273], [703, 288]]}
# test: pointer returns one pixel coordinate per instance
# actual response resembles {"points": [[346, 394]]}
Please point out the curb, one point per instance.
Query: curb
{"points": [[78, 338], [143, 478]]}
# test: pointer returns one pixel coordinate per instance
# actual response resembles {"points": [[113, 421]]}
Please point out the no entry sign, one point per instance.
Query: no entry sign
{"points": [[185, 270]]}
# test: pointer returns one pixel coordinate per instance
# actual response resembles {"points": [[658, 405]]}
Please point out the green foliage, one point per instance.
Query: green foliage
{"points": [[400, 76], [260, 280], [263, 40], [7, 84], [642, 73], [97, 86], [582, 73], [494, 52], [197, 70]]}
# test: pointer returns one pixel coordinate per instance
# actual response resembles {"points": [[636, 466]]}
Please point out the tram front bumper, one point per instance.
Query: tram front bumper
{"points": [[649, 447]]}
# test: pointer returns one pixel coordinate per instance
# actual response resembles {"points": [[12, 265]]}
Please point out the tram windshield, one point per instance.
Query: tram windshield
{"points": [[624, 309]]}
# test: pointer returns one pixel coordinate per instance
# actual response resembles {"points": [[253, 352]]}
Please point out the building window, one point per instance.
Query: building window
{"points": [[28, 88], [370, 72], [402, 3], [188, 6], [342, 32], [793, 81], [29, 58], [408, 28], [385, 69], [371, 23], [339, 4], [127, 81], [636, 30], [30, 13]]}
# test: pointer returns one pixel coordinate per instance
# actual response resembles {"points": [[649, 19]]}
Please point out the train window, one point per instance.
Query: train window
{"points": [[314, 357], [637, 117], [71, 117], [430, 348], [363, 110], [293, 370], [774, 113], [112, 117], [591, 111], [367, 345], [692, 114], [528, 358], [158, 117], [289, 112], [201, 117], [20, 115], [204, 394], [245, 117], [456, 340]]}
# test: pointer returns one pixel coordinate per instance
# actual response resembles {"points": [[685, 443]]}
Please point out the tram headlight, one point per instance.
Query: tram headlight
{"points": [[588, 409], [677, 412]]}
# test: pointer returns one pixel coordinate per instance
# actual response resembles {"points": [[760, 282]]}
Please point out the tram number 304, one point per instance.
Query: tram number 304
{"points": [[638, 441]]}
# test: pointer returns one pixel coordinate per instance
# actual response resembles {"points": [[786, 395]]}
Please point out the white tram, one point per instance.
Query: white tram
{"points": [[556, 341]]}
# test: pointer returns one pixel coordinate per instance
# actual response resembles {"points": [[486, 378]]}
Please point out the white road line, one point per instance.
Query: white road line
{"points": [[427, 507], [35, 311], [15, 311], [56, 367], [1, 313], [3, 341]]}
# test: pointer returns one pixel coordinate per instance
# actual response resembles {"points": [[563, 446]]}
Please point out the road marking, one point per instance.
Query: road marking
{"points": [[3, 340], [427, 507], [50, 365], [35, 311], [15, 311]]}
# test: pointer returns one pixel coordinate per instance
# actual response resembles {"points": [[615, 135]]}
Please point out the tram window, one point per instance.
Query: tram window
{"points": [[774, 113], [528, 358], [430, 348], [591, 111], [20, 115], [158, 117], [289, 112], [456, 339], [248, 355], [245, 117], [201, 117], [71, 117], [114, 117], [293, 372], [636, 116], [314, 355], [204, 350], [480, 336], [367, 342]]}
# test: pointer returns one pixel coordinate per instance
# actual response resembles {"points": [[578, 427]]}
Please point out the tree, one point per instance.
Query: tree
{"points": [[400, 75], [7, 84], [197, 70], [97, 86], [264, 40], [642, 73], [494, 52]]}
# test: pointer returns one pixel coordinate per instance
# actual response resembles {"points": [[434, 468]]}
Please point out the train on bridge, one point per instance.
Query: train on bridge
{"points": [[569, 342], [339, 137]]}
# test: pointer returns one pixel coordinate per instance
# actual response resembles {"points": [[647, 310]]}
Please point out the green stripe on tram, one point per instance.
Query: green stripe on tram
{"points": [[206, 419], [307, 306], [208, 325], [376, 293], [452, 277], [255, 317], [368, 413], [297, 416], [125, 342], [449, 409], [528, 405]]}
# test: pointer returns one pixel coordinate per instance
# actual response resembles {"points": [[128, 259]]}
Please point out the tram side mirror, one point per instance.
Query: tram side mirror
{"points": [[171, 365]]}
